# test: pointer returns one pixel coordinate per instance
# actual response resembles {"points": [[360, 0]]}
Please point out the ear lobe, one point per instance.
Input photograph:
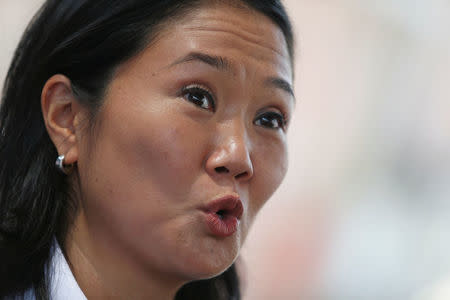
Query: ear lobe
{"points": [[59, 109]]}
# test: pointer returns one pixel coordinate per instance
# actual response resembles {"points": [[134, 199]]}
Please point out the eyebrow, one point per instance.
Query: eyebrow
{"points": [[218, 62], [281, 84], [223, 64]]}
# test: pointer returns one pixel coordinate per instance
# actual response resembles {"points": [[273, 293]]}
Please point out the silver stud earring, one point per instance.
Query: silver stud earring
{"points": [[65, 169]]}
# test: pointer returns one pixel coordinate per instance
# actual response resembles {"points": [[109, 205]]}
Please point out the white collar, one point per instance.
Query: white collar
{"points": [[63, 285]]}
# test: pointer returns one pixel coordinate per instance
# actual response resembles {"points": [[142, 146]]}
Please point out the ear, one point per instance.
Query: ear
{"points": [[62, 113]]}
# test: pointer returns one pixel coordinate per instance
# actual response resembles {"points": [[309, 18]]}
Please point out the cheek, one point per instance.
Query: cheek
{"points": [[164, 156], [137, 178], [155, 149], [270, 167], [140, 168]]}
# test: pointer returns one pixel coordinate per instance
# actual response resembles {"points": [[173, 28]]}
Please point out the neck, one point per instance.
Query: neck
{"points": [[104, 271]]}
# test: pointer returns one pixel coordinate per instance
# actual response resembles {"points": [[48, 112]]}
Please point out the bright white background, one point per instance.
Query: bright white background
{"points": [[364, 212]]}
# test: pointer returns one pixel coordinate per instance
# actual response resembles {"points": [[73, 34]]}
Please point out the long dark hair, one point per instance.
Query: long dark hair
{"points": [[84, 40]]}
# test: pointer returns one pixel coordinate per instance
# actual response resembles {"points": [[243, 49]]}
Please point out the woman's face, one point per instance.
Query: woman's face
{"points": [[198, 116]]}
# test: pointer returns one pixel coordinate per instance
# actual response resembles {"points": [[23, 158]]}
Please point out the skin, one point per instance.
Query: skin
{"points": [[155, 157]]}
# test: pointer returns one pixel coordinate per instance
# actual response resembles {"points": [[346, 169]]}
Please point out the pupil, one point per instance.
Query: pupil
{"points": [[197, 98], [270, 122]]}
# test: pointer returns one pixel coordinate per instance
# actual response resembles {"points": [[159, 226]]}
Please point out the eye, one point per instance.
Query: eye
{"points": [[199, 96], [271, 120]]}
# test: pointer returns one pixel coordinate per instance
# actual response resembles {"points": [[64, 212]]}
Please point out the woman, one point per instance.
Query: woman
{"points": [[167, 121]]}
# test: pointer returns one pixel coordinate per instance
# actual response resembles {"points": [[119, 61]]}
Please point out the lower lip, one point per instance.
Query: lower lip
{"points": [[221, 226]]}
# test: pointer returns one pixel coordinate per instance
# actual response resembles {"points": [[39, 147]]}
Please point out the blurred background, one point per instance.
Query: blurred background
{"points": [[364, 212]]}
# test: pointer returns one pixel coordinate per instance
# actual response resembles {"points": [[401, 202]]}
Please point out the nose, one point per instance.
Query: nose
{"points": [[231, 154]]}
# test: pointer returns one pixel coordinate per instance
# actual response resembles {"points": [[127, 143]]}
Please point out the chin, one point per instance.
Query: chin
{"points": [[211, 272], [209, 264], [213, 269]]}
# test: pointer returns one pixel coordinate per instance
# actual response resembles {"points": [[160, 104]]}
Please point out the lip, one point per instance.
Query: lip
{"points": [[223, 214]]}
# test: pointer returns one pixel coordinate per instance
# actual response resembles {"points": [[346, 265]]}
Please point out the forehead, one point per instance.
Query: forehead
{"points": [[245, 23], [236, 32], [253, 49]]}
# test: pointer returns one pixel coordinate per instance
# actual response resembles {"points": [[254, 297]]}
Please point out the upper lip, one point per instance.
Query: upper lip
{"points": [[228, 204]]}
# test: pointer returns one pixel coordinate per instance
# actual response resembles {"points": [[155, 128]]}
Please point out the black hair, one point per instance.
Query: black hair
{"points": [[85, 40]]}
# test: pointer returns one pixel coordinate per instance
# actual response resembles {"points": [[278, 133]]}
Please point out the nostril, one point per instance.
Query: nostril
{"points": [[243, 174], [222, 170]]}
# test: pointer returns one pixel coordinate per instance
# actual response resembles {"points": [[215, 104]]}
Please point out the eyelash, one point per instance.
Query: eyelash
{"points": [[280, 118], [199, 90], [196, 90]]}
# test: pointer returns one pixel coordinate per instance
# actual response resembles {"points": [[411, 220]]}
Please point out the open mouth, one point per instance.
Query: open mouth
{"points": [[232, 210], [221, 213], [226, 207]]}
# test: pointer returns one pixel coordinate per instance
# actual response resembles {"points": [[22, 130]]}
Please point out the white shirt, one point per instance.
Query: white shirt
{"points": [[63, 285]]}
